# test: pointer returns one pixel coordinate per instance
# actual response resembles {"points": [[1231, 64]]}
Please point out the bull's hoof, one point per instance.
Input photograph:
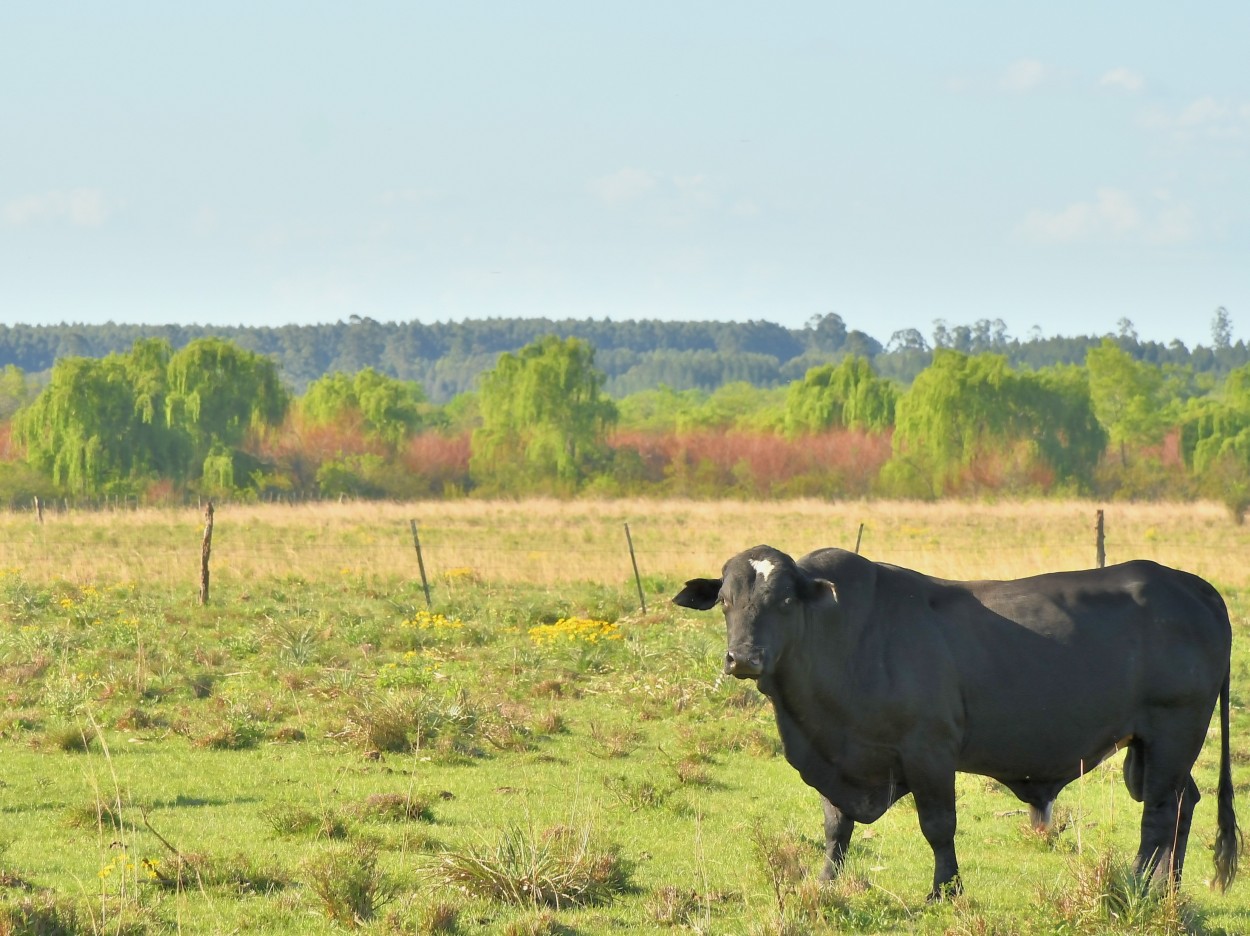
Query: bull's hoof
{"points": [[946, 890]]}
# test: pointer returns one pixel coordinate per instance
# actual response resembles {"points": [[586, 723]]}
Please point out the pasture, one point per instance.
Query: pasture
{"points": [[314, 750]]}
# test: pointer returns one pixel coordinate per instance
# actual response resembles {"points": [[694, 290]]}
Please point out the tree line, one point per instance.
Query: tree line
{"points": [[447, 358], [214, 418]]}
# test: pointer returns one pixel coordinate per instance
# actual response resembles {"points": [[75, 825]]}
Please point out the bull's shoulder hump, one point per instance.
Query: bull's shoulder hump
{"points": [[832, 562]]}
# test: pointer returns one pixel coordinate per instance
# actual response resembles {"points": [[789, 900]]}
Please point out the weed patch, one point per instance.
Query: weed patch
{"points": [[560, 867], [348, 882]]}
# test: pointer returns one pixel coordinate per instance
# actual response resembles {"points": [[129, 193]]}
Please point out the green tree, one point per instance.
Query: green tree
{"points": [[1215, 442], [116, 422], [83, 430], [15, 392], [740, 405], [965, 407], [849, 394], [543, 416], [216, 393], [1059, 414], [1221, 330], [661, 409], [1128, 395], [1218, 426], [383, 407]]}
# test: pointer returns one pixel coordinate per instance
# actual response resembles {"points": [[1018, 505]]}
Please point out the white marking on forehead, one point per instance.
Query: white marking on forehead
{"points": [[763, 567]]}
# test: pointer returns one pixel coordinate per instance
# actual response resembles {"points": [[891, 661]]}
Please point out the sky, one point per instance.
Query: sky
{"points": [[1062, 167]]}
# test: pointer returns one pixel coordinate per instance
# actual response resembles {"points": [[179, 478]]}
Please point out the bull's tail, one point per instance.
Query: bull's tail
{"points": [[1228, 838]]}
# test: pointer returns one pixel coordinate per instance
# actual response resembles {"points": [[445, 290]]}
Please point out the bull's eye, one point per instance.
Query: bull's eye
{"points": [[725, 602]]}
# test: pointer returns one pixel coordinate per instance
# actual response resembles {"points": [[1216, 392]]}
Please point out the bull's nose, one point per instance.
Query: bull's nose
{"points": [[744, 665]]}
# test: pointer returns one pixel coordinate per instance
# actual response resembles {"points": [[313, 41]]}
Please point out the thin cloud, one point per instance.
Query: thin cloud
{"points": [[1123, 78], [1204, 116], [83, 207], [623, 186], [1024, 75], [1113, 216]]}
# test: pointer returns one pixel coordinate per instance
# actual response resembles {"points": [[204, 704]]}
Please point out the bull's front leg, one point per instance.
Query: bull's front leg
{"points": [[935, 805], [838, 829]]}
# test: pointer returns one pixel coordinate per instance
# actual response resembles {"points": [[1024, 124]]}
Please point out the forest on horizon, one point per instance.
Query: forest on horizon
{"points": [[446, 358]]}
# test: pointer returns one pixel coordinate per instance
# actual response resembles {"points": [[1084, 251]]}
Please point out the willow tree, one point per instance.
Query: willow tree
{"points": [[543, 416], [382, 407], [1218, 426], [15, 390], [849, 395], [216, 393], [1215, 442], [1129, 396], [115, 423], [85, 429], [963, 408]]}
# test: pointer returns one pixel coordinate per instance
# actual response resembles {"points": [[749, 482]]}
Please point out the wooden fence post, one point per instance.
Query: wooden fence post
{"points": [[637, 578], [38, 508], [206, 550], [1100, 542], [416, 542], [858, 538]]}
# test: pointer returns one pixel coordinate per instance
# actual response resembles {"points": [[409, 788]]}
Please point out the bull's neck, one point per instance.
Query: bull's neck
{"points": [[818, 664]]}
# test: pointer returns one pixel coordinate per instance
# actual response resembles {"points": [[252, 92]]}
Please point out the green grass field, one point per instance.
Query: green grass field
{"points": [[313, 750]]}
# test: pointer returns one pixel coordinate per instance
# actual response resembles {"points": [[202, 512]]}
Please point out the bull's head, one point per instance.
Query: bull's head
{"points": [[765, 596]]}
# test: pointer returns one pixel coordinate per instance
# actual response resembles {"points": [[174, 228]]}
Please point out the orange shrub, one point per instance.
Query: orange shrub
{"points": [[441, 461], [838, 463]]}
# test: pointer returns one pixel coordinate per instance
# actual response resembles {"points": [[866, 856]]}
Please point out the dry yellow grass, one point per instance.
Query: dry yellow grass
{"points": [[549, 542]]}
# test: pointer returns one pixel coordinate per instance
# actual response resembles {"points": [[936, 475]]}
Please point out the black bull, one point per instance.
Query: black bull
{"points": [[885, 682]]}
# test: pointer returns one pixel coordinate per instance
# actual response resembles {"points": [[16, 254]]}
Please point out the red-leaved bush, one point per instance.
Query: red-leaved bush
{"points": [[838, 463], [441, 461]]}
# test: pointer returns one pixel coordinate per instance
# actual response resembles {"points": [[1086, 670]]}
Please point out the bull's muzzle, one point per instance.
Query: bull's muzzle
{"points": [[745, 664]]}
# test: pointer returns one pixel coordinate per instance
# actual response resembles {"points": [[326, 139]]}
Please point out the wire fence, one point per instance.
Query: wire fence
{"points": [[551, 544]]}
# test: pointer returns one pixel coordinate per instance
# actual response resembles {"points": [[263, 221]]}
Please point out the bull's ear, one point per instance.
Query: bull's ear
{"points": [[815, 589], [700, 594]]}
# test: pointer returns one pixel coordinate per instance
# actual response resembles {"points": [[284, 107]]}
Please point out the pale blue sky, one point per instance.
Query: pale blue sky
{"points": [[298, 162]]}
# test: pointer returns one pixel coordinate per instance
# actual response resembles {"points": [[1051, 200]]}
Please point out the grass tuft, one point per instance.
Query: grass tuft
{"points": [[1106, 893], [73, 739], [94, 814], [637, 794], [396, 807], [784, 857], [44, 914], [559, 868], [294, 819], [349, 883], [439, 918], [672, 906]]}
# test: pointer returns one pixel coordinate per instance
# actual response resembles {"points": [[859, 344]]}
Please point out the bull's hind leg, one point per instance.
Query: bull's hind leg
{"points": [[1165, 833], [1189, 799], [838, 829], [1169, 796]]}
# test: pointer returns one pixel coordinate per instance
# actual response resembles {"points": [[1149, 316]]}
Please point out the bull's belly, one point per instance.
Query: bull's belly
{"points": [[1043, 758]]}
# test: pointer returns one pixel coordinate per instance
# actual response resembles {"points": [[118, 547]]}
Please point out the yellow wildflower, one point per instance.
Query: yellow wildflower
{"points": [[587, 630]]}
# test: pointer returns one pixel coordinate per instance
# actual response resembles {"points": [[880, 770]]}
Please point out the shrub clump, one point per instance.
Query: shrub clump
{"points": [[1108, 893], [347, 879], [560, 867], [397, 807]]}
